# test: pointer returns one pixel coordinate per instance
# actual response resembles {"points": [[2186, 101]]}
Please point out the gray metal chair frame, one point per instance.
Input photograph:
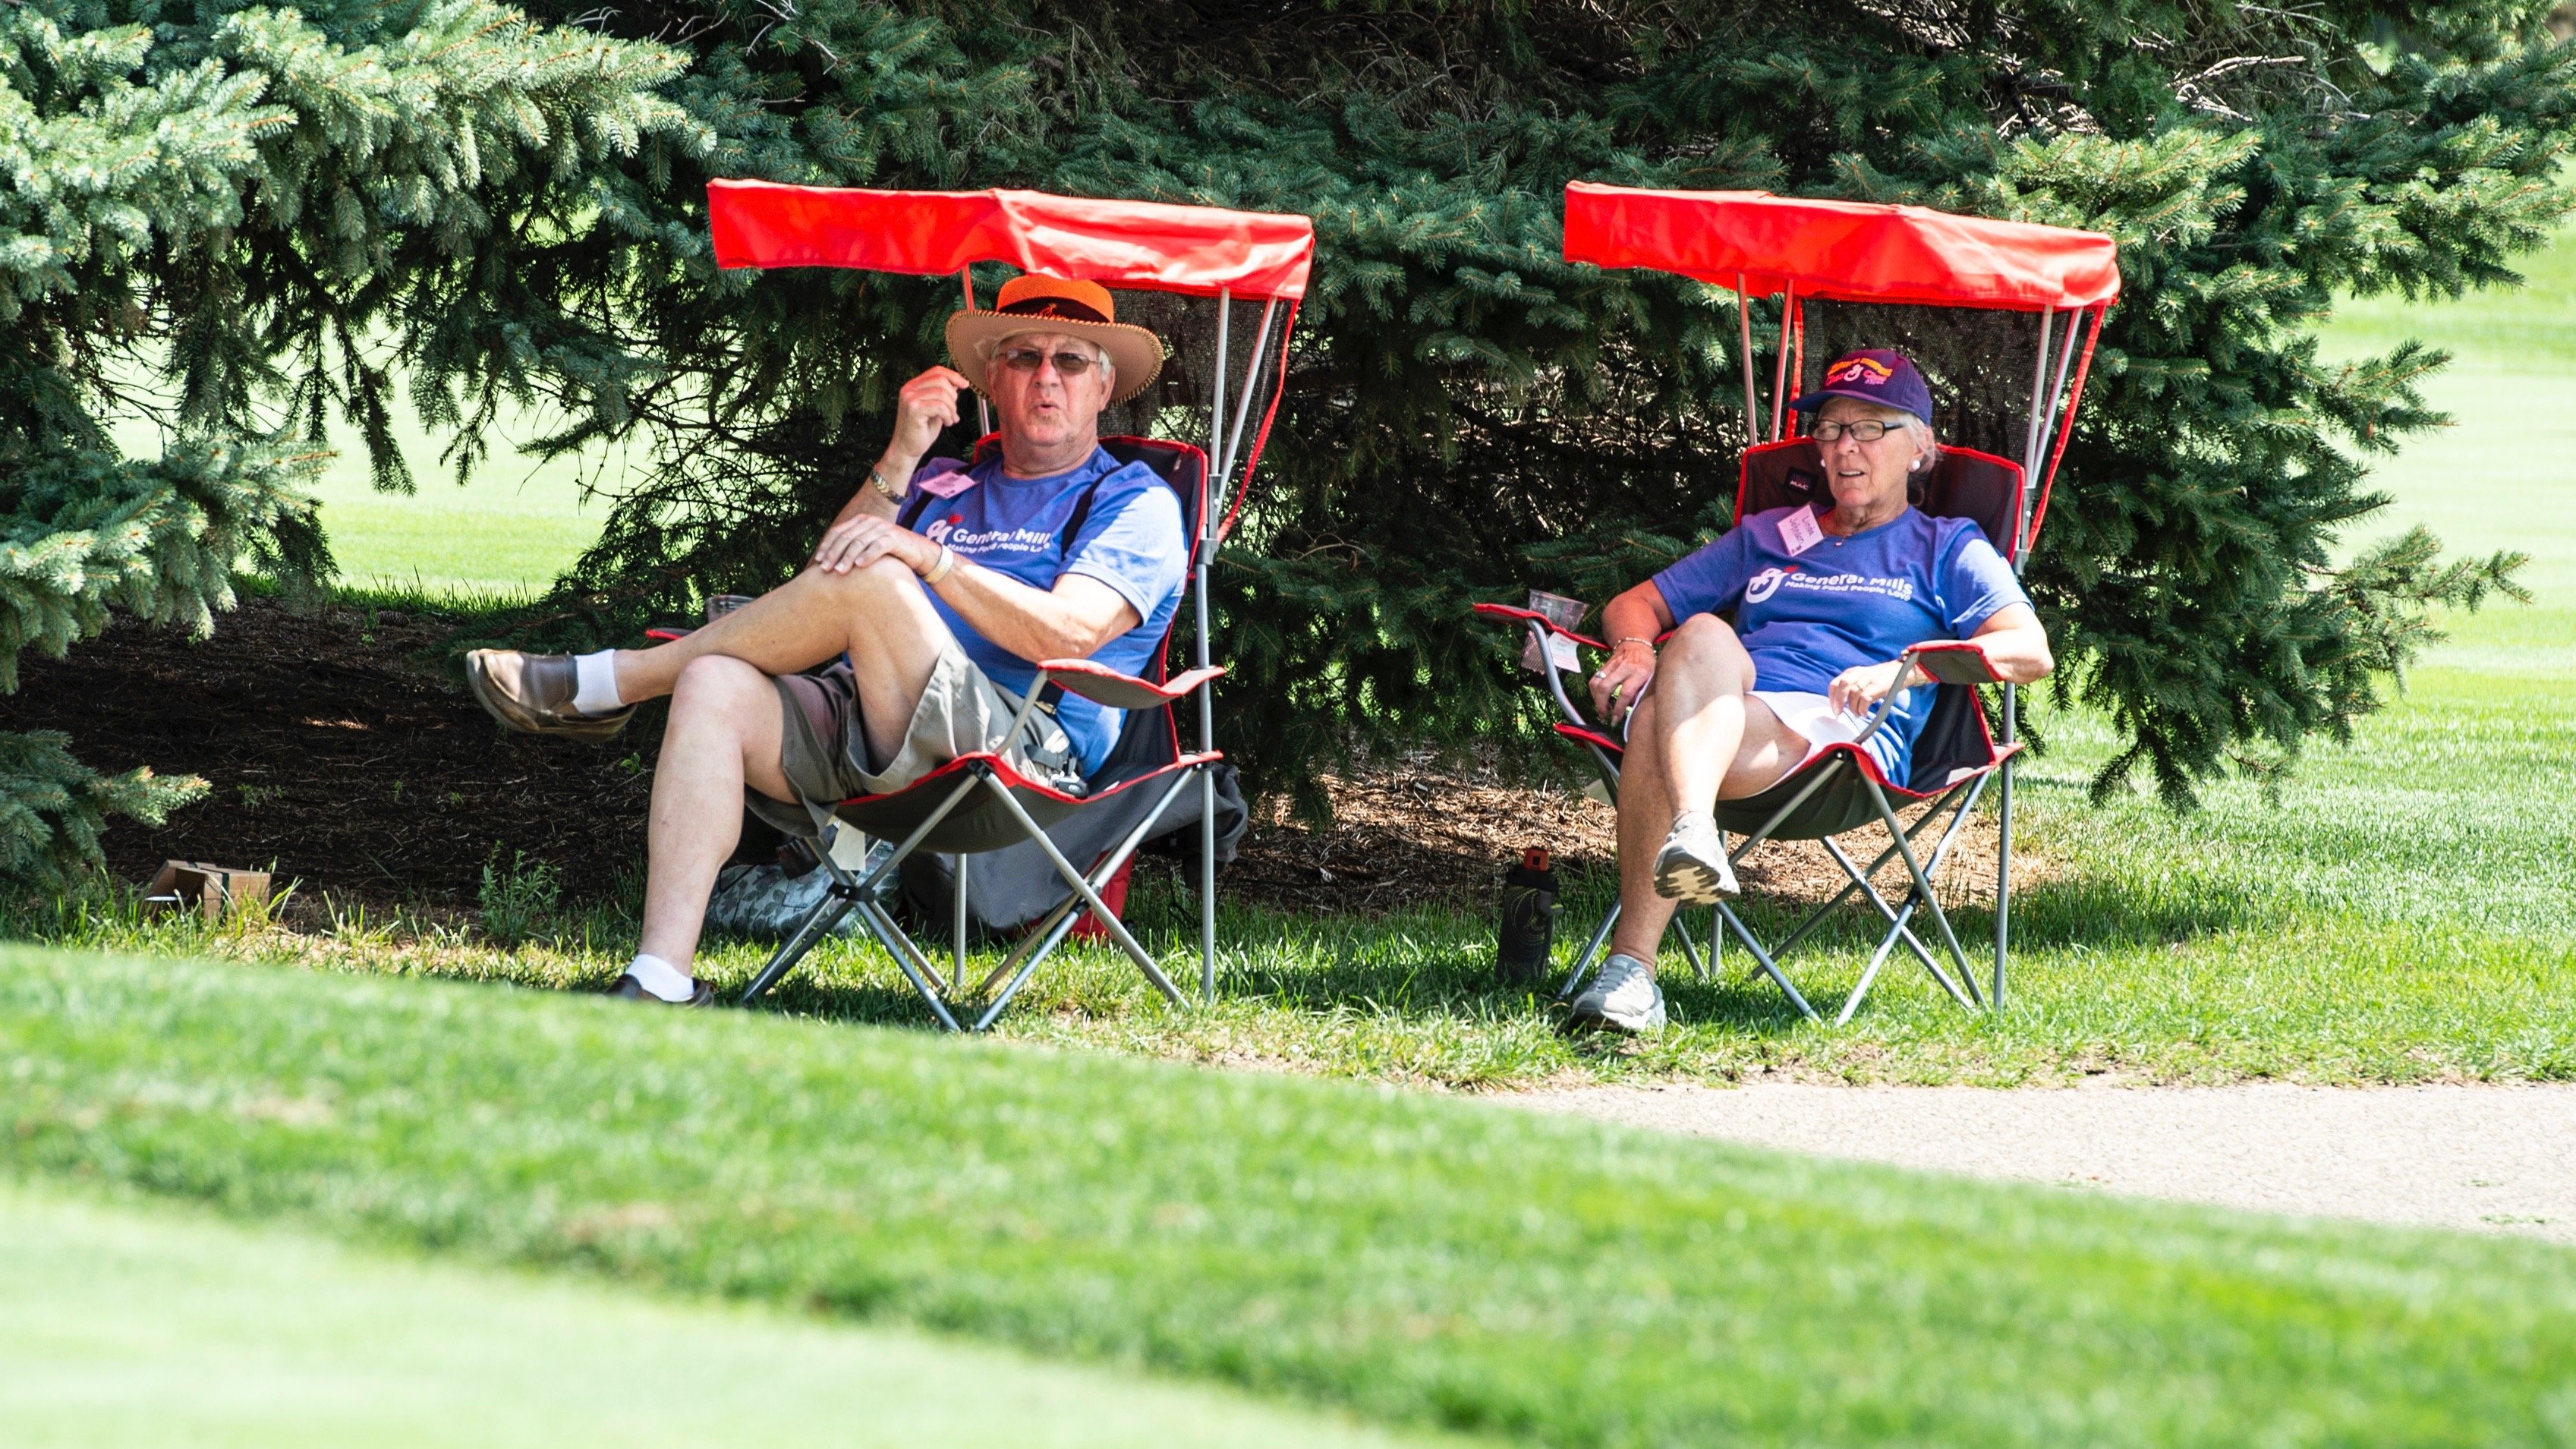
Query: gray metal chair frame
{"points": [[1944, 662]]}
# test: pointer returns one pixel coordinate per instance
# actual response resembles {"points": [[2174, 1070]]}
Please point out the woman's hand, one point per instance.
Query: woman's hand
{"points": [[862, 539], [1619, 683], [1858, 689]]}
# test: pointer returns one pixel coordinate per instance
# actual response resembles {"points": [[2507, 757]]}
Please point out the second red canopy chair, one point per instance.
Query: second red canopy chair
{"points": [[978, 803], [1759, 245]]}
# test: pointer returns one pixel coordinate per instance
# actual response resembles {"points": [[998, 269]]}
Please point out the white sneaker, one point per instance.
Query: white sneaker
{"points": [[1624, 995], [1692, 867]]}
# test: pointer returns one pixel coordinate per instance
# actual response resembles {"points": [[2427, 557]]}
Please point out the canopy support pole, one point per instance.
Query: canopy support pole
{"points": [[2038, 410], [1744, 353], [983, 409], [1797, 357], [1211, 508], [1780, 370], [1243, 409], [2074, 403]]}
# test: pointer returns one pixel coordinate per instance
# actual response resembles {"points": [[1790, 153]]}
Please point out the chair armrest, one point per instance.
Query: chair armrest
{"points": [[1953, 661], [1533, 616], [1103, 685]]}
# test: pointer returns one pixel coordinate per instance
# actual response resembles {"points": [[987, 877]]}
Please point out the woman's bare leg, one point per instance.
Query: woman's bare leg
{"points": [[1699, 736]]}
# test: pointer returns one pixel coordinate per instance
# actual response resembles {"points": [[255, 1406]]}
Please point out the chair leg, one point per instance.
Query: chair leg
{"points": [[1041, 941], [1108, 919], [1897, 931], [907, 959], [818, 923], [1877, 959], [857, 891], [1207, 883], [1922, 882], [1762, 958], [957, 926], [1690, 951], [1817, 916], [1583, 963]]}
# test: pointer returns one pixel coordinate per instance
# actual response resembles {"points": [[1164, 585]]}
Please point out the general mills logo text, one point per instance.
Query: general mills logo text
{"points": [[991, 540], [1755, 592]]}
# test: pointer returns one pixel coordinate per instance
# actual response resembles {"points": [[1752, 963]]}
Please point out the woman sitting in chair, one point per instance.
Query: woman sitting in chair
{"points": [[1824, 602]]}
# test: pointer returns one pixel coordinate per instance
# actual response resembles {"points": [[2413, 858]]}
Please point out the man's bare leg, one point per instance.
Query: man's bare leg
{"points": [[1699, 736], [725, 730], [726, 721], [879, 615]]}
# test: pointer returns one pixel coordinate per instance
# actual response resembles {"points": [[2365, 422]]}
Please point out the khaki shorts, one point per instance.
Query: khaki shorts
{"points": [[823, 747]]}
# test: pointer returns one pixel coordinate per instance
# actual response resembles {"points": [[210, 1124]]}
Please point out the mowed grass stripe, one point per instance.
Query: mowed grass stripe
{"points": [[135, 1326], [1417, 1259]]}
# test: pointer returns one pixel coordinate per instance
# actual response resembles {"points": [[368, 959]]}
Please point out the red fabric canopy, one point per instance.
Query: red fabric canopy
{"points": [[1847, 251], [1148, 244]]}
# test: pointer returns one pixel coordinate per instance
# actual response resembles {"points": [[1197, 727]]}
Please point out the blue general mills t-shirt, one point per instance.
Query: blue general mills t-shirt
{"points": [[1131, 540], [1807, 617]]}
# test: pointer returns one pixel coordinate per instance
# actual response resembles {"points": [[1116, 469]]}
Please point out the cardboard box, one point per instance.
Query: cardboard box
{"points": [[212, 890]]}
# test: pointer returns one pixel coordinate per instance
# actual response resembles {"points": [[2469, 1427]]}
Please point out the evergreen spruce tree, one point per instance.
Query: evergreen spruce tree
{"points": [[233, 222], [1469, 416]]}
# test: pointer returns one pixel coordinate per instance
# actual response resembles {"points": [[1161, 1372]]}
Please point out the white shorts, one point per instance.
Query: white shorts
{"points": [[1814, 717]]}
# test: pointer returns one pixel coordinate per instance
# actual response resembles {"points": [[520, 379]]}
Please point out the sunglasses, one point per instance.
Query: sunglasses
{"points": [[1029, 359]]}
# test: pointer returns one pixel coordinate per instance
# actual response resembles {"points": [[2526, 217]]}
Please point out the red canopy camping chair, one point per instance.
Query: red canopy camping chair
{"points": [[1760, 245], [978, 803]]}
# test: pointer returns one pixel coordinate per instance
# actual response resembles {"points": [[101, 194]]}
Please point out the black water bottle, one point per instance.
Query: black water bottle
{"points": [[1529, 920]]}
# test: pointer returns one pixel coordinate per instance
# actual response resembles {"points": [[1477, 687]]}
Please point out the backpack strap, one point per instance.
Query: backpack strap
{"points": [[1081, 515], [914, 505]]}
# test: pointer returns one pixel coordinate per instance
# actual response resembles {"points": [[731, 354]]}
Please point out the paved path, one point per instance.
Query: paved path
{"points": [[2480, 1158]]}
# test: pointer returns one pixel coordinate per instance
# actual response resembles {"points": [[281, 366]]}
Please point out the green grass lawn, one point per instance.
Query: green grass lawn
{"points": [[503, 535], [2399, 913], [1418, 1261], [138, 1324]]}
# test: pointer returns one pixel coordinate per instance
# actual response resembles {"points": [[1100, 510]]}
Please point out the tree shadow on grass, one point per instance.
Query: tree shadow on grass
{"points": [[1435, 968]]}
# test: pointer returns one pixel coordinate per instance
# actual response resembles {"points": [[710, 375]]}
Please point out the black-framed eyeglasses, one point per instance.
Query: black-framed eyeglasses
{"points": [[1028, 359], [1867, 431]]}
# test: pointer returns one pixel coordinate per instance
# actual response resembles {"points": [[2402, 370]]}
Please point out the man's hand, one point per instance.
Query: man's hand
{"points": [[861, 539], [927, 404], [1621, 682], [1858, 689]]}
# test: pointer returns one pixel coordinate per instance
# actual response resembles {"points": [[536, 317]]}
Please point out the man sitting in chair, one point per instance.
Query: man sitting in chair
{"points": [[1052, 550], [1823, 603]]}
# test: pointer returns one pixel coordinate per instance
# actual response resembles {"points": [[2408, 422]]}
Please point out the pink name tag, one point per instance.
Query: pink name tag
{"points": [[1800, 532], [948, 482]]}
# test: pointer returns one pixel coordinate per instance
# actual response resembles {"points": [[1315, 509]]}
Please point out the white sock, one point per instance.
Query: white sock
{"points": [[595, 685], [662, 978]]}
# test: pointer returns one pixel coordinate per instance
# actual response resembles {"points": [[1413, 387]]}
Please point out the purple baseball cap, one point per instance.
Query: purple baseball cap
{"points": [[1879, 375]]}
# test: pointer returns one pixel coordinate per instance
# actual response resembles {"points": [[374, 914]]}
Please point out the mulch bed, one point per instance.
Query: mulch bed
{"points": [[341, 750], [344, 750]]}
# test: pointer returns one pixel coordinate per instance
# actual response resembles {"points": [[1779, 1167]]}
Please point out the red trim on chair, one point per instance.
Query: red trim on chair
{"points": [[1012, 779], [1507, 611], [1955, 661], [1103, 685], [1900, 793], [1581, 735]]}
